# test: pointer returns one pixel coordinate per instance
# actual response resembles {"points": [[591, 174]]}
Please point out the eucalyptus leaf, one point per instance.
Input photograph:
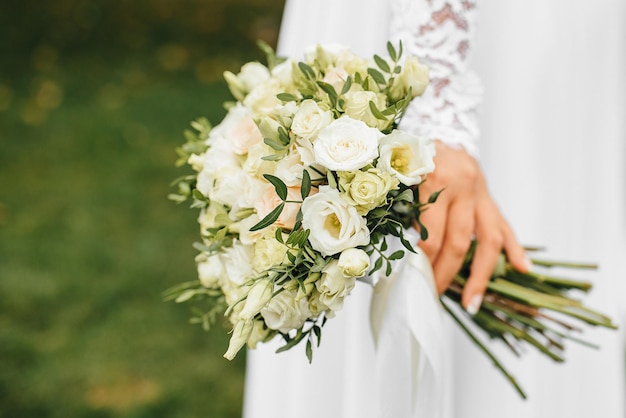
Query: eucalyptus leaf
{"points": [[378, 77], [269, 219], [396, 255], [278, 146], [306, 70], [392, 52], [279, 186], [305, 187], [347, 85], [382, 63], [377, 114], [287, 97]]}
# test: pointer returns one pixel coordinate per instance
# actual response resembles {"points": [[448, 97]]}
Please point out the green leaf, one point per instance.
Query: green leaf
{"points": [[378, 77], [309, 351], [407, 244], [392, 52], [318, 333], [433, 197], [376, 112], [273, 157], [281, 188], [279, 236], [283, 135], [405, 196], [330, 90], [305, 187], [347, 85], [278, 146], [388, 270], [269, 219], [384, 246], [382, 64], [396, 255], [377, 265], [287, 97], [306, 70]]}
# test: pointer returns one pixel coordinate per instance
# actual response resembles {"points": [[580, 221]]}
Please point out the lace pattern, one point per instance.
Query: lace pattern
{"points": [[440, 34]]}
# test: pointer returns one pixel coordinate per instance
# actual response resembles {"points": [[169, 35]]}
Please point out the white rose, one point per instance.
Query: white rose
{"points": [[406, 156], [309, 120], [334, 286], [283, 73], [289, 169], [253, 74], [354, 262], [210, 270], [238, 262], [346, 144], [284, 313], [248, 237], [358, 107], [334, 224], [413, 75], [244, 134], [263, 98], [366, 190]]}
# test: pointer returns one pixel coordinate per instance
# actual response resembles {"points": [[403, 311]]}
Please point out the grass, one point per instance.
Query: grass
{"points": [[89, 241]]}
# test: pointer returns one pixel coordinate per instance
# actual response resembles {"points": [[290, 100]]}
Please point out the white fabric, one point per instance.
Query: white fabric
{"points": [[553, 150], [553, 146]]}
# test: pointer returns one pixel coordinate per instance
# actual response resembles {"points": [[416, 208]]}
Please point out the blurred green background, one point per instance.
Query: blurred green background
{"points": [[94, 96]]}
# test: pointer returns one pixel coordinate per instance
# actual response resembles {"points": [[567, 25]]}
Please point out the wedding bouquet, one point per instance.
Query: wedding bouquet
{"points": [[302, 185], [299, 188]]}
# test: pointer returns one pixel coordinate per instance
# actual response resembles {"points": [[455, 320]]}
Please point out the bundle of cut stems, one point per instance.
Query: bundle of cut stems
{"points": [[525, 308]]}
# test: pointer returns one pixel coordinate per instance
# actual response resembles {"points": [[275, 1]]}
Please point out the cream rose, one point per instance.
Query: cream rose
{"points": [[269, 200], [358, 107], [354, 262], [414, 75], [268, 252], [406, 156], [309, 120], [285, 313], [334, 286], [245, 134], [335, 225], [346, 144], [366, 190]]}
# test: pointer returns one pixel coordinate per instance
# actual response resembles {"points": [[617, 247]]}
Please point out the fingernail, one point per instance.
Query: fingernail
{"points": [[474, 304], [528, 263]]}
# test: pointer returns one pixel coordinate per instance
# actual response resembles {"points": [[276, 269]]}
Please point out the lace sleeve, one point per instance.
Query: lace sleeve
{"points": [[439, 33]]}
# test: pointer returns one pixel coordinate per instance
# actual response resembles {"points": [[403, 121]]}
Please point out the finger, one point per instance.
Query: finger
{"points": [[488, 252], [515, 253], [457, 240]]}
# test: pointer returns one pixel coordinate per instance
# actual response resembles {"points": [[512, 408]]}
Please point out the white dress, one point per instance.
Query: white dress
{"points": [[553, 146], [404, 375], [545, 152]]}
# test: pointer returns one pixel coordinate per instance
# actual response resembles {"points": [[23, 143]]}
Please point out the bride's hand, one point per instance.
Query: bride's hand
{"points": [[465, 210]]}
